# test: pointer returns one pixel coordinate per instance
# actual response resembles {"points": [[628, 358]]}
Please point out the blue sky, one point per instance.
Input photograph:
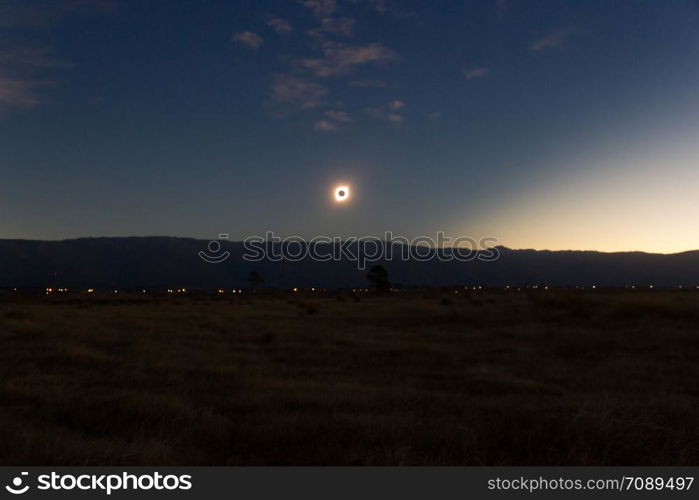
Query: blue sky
{"points": [[545, 124]]}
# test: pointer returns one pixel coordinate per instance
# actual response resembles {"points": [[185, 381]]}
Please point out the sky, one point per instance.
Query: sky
{"points": [[547, 125]]}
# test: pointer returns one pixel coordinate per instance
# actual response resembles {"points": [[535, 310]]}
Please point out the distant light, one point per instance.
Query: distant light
{"points": [[90, 290], [296, 289]]}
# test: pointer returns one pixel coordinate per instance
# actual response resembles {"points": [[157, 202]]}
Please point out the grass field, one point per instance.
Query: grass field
{"points": [[477, 378]]}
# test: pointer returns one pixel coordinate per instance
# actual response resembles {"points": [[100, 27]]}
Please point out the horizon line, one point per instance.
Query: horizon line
{"points": [[505, 247]]}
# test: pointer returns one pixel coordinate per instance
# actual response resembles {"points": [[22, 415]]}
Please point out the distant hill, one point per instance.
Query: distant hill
{"points": [[174, 262]]}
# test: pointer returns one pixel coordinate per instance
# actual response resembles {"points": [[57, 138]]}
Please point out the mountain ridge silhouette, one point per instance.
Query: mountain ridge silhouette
{"points": [[165, 261]]}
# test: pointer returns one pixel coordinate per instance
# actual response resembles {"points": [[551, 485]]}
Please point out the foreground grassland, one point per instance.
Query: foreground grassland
{"points": [[489, 377]]}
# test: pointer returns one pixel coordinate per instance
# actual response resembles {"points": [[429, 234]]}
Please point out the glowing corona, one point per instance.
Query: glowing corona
{"points": [[342, 193]]}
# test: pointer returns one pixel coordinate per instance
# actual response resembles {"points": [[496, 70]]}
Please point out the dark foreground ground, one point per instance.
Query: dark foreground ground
{"points": [[489, 377]]}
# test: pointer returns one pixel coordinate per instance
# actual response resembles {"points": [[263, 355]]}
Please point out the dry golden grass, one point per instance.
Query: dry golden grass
{"points": [[491, 377]]}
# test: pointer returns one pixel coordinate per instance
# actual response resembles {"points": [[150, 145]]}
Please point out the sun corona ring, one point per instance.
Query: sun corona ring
{"points": [[342, 193]]}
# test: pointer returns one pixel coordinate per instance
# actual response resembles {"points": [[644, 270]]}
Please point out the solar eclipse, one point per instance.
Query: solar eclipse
{"points": [[342, 193]]}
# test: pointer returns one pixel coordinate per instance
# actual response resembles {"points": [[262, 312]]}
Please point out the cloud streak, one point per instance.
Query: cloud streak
{"points": [[19, 93], [301, 88], [555, 40], [390, 112], [368, 83], [340, 59], [333, 121], [325, 126], [338, 116], [24, 70], [297, 93], [321, 8], [342, 26], [281, 26], [248, 38], [26, 66], [474, 73]]}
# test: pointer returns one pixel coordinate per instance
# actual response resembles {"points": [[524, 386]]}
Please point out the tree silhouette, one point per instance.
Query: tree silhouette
{"points": [[255, 279], [378, 278]]}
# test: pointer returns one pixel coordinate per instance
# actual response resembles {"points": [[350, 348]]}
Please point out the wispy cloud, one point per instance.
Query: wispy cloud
{"points": [[391, 7], [555, 40], [248, 38], [338, 116], [477, 72], [324, 126], [21, 58], [342, 26], [280, 25], [301, 88], [395, 118], [390, 112], [379, 5], [321, 8], [25, 66], [396, 105], [341, 59], [333, 121], [367, 83], [297, 93], [23, 71], [19, 93]]}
